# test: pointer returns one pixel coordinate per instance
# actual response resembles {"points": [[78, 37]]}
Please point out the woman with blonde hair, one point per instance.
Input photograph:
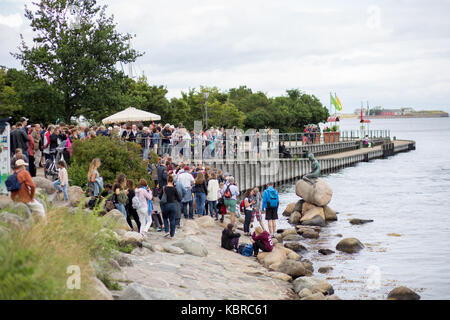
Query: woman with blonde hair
{"points": [[95, 181], [261, 239]]}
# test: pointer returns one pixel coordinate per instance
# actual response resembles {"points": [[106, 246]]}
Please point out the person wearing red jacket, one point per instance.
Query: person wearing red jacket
{"points": [[261, 239]]}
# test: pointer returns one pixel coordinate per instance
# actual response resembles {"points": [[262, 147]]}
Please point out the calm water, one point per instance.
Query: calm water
{"points": [[408, 197]]}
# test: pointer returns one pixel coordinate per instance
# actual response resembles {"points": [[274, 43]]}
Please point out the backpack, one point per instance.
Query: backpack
{"points": [[242, 206], [227, 193], [135, 203], [272, 201], [245, 249], [12, 183]]}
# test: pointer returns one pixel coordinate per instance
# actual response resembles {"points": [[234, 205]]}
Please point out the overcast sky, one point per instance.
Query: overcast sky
{"points": [[392, 53]]}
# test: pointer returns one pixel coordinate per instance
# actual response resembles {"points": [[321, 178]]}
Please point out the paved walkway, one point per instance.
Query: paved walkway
{"points": [[360, 151]]}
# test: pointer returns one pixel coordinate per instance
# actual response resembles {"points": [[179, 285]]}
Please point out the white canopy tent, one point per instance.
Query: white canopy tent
{"points": [[131, 115]]}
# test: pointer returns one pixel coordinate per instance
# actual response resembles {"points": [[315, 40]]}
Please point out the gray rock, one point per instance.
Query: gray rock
{"points": [[12, 219], [124, 261], [315, 221], [295, 218], [308, 266], [315, 296], [330, 214], [173, 249], [76, 195], [101, 292], [45, 184], [292, 237], [192, 247], [140, 252], [325, 252], [314, 284], [139, 292], [349, 245], [114, 264], [148, 245], [21, 209], [359, 221], [293, 268], [118, 219], [310, 234], [325, 269], [295, 246], [133, 238], [318, 194], [403, 293]]}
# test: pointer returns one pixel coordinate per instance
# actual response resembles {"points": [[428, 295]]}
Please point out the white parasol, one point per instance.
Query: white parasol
{"points": [[131, 115]]}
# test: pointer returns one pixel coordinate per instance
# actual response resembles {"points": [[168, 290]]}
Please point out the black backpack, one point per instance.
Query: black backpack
{"points": [[12, 183]]}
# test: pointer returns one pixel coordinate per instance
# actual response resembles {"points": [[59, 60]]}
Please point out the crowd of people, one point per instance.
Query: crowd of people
{"points": [[181, 190]]}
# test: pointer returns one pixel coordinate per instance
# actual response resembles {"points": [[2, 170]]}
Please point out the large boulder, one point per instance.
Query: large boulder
{"points": [[295, 246], [205, 222], [330, 214], [191, 246], [274, 258], [293, 268], [289, 209], [45, 184], [12, 220], [314, 217], [139, 292], [21, 209], [131, 238], [190, 227], [349, 245], [75, 195], [288, 232], [100, 290], [403, 293], [318, 194], [307, 206], [119, 219], [295, 218], [313, 284], [172, 249], [141, 252], [310, 234], [292, 237]]}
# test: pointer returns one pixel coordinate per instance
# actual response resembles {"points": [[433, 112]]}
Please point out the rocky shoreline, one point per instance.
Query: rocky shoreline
{"points": [[192, 265]]}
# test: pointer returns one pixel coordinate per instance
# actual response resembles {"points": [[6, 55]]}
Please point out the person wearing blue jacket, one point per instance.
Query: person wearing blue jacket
{"points": [[270, 203]]}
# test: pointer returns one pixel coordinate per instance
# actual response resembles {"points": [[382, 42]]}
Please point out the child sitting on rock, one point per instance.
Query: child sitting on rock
{"points": [[230, 239], [261, 239]]}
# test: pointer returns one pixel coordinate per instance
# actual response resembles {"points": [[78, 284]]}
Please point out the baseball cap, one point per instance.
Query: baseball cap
{"points": [[20, 163], [24, 119]]}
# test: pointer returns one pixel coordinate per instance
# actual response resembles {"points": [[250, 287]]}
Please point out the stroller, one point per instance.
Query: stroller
{"points": [[51, 165]]}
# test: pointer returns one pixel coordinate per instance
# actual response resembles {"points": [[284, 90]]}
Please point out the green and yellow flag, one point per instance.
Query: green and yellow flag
{"points": [[337, 104]]}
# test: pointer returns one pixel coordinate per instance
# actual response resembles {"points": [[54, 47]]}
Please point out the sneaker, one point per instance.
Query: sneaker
{"points": [[159, 230], [167, 235]]}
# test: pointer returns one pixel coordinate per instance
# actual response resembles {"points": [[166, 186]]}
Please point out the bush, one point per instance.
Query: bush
{"points": [[34, 264], [116, 157]]}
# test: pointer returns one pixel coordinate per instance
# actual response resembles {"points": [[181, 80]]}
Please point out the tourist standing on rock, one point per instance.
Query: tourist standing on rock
{"points": [[248, 203], [63, 179], [144, 195], [230, 197], [25, 193], [36, 136], [213, 190], [256, 208], [230, 239], [120, 197], [95, 181], [270, 204], [200, 190], [261, 240], [169, 208], [131, 211], [185, 180]]}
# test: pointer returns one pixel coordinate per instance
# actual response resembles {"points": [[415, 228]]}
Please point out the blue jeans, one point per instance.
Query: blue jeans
{"points": [[57, 185], [247, 221], [212, 208], [121, 208], [200, 197], [145, 154], [191, 209], [169, 212], [165, 148]]}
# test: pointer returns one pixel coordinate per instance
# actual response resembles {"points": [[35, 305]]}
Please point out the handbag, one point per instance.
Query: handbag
{"points": [[163, 198]]}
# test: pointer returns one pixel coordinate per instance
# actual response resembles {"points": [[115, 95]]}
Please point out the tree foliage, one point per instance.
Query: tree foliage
{"points": [[79, 61]]}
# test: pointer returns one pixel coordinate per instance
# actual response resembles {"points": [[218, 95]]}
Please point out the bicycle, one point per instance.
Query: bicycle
{"points": [[51, 170]]}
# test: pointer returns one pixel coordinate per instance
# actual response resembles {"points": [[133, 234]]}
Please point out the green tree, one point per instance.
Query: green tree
{"points": [[78, 60], [9, 98]]}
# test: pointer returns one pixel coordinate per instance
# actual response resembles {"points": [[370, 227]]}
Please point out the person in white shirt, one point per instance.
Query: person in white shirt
{"points": [[186, 180], [63, 180], [212, 197], [230, 198]]}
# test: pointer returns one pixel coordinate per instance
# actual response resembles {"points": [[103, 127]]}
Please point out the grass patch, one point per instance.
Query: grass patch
{"points": [[110, 283], [34, 262]]}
